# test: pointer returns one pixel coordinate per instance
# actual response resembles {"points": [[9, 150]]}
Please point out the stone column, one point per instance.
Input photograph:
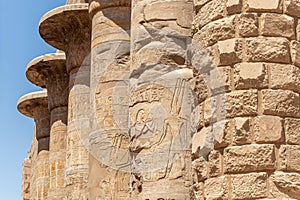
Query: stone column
{"points": [[108, 179], [255, 45], [35, 105], [26, 173], [49, 71], [67, 28], [160, 152]]}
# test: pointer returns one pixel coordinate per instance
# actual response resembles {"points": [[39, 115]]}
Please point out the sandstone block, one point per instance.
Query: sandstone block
{"points": [[295, 52], [271, 49], [213, 32], [268, 129], [199, 3], [280, 102], [250, 75], [225, 139], [248, 25], [209, 12], [284, 77], [234, 6], [242, 131], [289, 156], [285, 185], [214, 109], [249, 186], [249, 158], [168, 11], [198, 191], [263, 6], [241, 103], [292, 7], [216, 188], [278, 25], [200, 168], [214, 163], [292, 130], [230, 51]]}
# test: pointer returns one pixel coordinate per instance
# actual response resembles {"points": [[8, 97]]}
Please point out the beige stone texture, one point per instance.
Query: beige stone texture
{"points": [[215, 31], [248, 25], [285, 185], [283, 103], [289, 158], [268, 49], [242, 132], [292, 130], [234, 6], [285, 77], [278, 25], [241, 103], [230, 51], [249, 186], [292, 7], [250, 75], [295, 53], [249, 158], [214, 164], [216, 188], [268, 129], [211, 11], [200, 167], [263, 6]]}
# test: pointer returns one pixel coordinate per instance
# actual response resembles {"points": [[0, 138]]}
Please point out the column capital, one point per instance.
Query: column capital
{"points": [[68, 28], [98, 5], [49, 71], [35, 105]]}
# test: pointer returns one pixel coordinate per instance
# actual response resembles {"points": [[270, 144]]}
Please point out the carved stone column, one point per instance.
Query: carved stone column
{"points": [[67, 28], [35, 105], [110, 62], [161, 102], [49, 71]]}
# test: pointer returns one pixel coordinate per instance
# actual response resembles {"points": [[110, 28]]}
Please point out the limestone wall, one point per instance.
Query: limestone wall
{"points": [[255, 45]]}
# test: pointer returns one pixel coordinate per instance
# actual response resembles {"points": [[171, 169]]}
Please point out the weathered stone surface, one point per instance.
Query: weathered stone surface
{"points": [[242, 131], [278, 25], [285, 185], [216, 188], [209, 12], [262, 6], [218, 30], [241, 103], [200, 167], [248, 25], [292, 130], [225, 140], [250, 75], [198, 189], [295, 53], [249, 158], [234, 6], [199, 3], [285, 77], [271, 49], [249, 186], [230, 51], [214, 164], [289, 157], [268, 129], [168, 11], [292, 7], [280, 102]]}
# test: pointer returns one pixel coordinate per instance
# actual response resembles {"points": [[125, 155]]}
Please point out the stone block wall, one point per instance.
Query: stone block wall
{"points": [[256, 42]]}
